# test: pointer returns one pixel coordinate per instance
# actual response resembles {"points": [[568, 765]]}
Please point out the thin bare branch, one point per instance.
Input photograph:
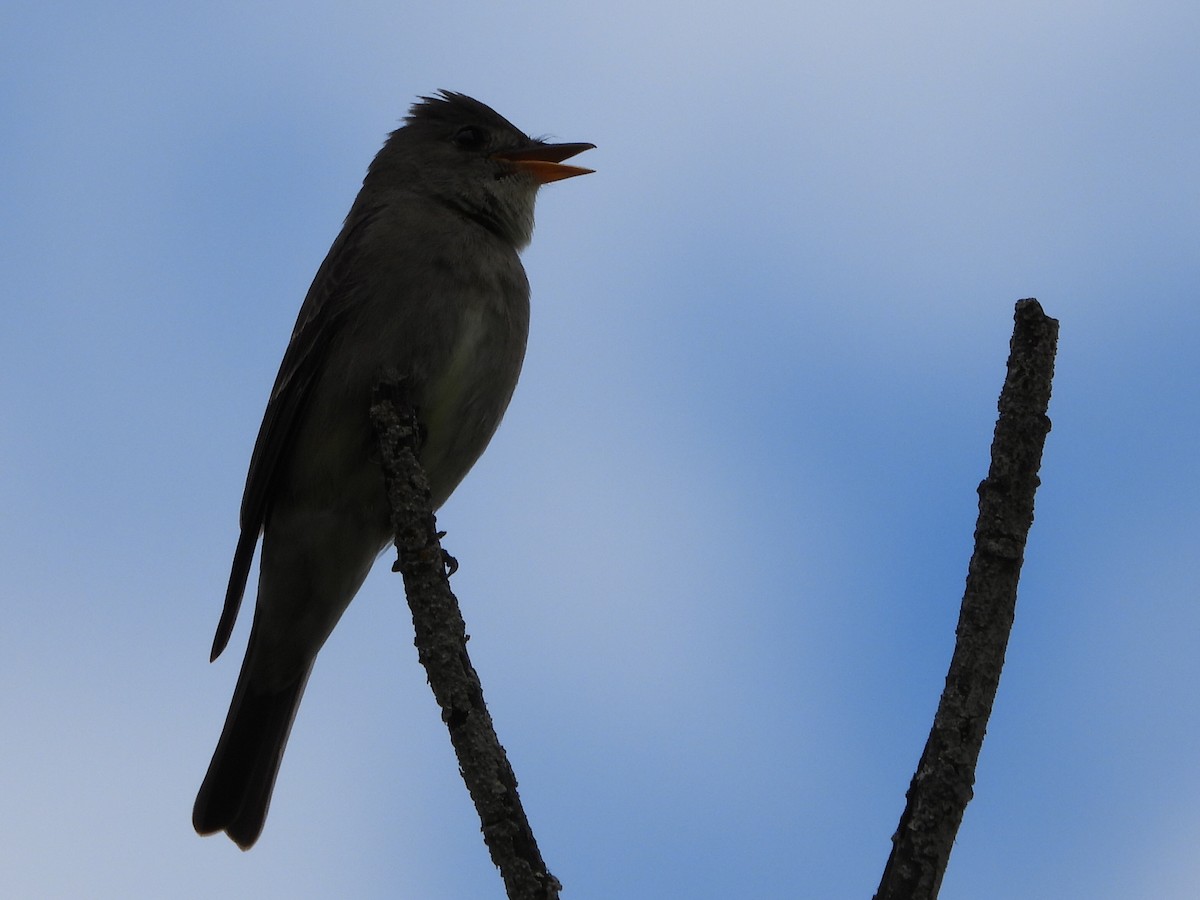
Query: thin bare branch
{"points": [[441, 642], [945, 777]]}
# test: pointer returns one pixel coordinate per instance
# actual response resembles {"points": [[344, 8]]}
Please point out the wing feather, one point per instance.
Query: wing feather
{"points": [[328, 299]]}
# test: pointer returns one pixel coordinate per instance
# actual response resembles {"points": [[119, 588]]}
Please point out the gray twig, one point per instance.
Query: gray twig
{"points": [[441, 642], [945, 776]]}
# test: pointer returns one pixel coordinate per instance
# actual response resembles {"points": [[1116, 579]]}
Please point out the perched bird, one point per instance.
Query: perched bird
{"points": [[423, 281]]}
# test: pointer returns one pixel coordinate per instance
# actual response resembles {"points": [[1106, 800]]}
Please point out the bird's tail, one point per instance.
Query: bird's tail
{"points": [[237, 789]]}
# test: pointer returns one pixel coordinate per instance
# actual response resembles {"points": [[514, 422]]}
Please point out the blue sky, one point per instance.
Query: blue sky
{"points": [[712, 561]]}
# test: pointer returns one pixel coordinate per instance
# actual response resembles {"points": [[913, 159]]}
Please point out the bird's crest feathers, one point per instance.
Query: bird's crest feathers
{"points": [[454, 108]]}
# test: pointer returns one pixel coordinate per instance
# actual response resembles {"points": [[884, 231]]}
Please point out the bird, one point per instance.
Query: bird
{"points": [[424, 281]]}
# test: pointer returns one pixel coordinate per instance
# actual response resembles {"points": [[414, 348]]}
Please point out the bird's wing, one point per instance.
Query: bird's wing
{"points": [[320, 319]]}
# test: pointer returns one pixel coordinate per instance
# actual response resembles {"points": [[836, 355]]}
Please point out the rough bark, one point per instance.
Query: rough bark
{"points": [[441, 641], [944, 780]]}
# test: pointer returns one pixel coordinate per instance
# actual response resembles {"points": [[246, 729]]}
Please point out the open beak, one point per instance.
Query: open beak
{"points": [[544, 161]]}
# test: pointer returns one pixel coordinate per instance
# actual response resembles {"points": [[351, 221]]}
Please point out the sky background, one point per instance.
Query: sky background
{"points": [[712, 561]]}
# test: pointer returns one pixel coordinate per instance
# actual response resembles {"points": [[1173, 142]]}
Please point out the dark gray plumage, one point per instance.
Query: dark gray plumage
{"points": [[424, 280]]}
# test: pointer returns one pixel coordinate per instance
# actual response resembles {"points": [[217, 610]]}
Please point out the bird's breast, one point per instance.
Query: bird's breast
{"points": [[467, 393]]}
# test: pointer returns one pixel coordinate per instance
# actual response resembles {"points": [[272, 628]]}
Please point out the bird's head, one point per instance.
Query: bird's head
{"points": [[464, 154]]}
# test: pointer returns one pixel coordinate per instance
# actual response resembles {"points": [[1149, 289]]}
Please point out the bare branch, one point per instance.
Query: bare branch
{"points": [[945, 776], [441, 642]]}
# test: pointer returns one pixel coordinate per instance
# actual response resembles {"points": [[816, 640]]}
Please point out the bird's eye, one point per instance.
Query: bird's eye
{"points": [[470, 137]]}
